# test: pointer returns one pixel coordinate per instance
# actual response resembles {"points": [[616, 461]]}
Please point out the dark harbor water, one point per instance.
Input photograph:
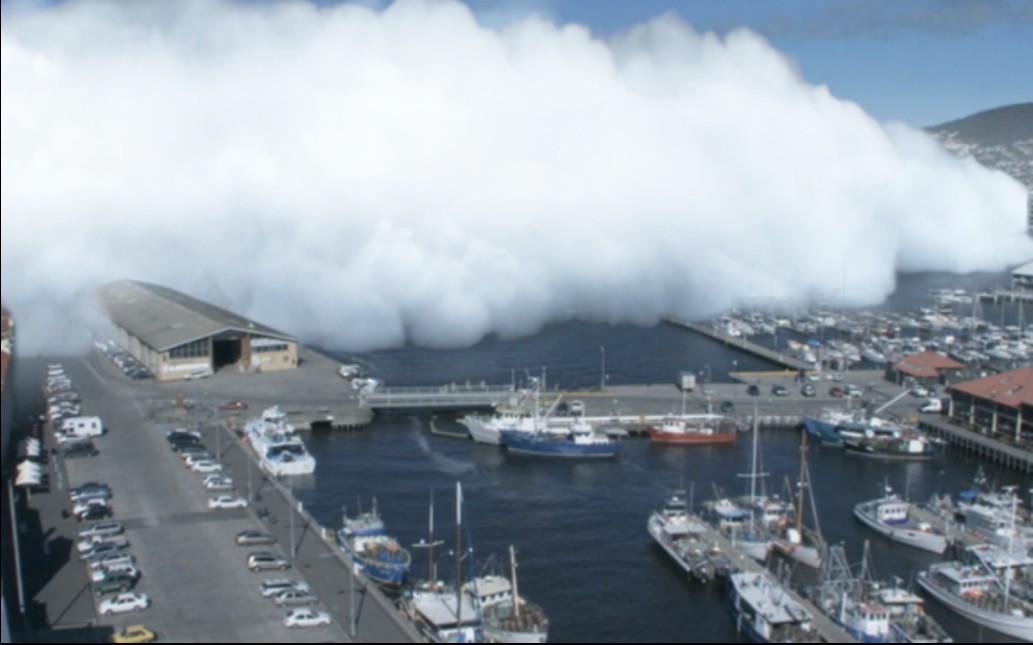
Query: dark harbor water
{"points": [[580, 528]]}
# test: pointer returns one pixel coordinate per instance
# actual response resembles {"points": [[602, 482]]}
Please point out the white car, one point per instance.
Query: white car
{"points": [[227, 502], [207, 467], [275, 587], [89, 543], [101, 530], [113, 560], [100, 573], [296, 618], [218, 484], [124, 603]]}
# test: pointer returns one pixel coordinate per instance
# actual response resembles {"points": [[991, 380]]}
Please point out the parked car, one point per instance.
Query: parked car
{"points": [[102, 548], [808, 391], [102, 530], [79, 508], [112, 561], [233, 406], [194, 457], [919, 392], [297, 618], [227, 502], [134, 634], [124, 603], [206, 466], [82, 450], [217, 483], [94, 513], [295, 598], [779, 390], [90, 543], [115, 582], [836, 392], [267, 562], [97, 496], [255, 538], [727, 407], [126, 567], [753, 390], [273, 588], [90, 487]]}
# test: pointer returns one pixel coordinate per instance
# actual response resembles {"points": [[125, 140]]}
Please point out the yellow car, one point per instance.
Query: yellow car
{"points": [[134, 634]]}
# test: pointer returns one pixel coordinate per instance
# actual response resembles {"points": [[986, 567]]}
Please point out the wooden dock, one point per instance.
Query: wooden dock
{"points": [[1005, 454], [779, 358]]}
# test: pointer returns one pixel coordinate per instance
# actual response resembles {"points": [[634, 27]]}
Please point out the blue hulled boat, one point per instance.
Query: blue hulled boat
{"points": [[580, 443], [380, 557]]}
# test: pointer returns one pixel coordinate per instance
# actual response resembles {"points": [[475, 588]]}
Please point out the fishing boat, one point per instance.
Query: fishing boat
{"points": [[280, 452], [525, 416], [580, 442], [890, 516], [824, 426], [868, 611], [693, 429], [380, 557], [909, 446], [440, 612], [679, 534], [980, 588], [767, 613], [508, 617]]}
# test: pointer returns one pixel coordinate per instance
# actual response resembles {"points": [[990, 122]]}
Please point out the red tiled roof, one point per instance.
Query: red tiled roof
{"points": [[1010, 389], [926, 364]]}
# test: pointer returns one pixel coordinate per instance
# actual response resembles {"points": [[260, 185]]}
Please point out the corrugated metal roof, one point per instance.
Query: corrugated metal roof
{"points": [[164, 319], [1026, 270], [926, 364], [1010, 389]]}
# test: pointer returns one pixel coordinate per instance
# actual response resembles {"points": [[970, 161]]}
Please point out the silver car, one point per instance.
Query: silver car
{"points": [[295, 598]]}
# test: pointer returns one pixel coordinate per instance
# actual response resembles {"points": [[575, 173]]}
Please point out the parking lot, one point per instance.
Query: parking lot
{"points": [[193, 571]]}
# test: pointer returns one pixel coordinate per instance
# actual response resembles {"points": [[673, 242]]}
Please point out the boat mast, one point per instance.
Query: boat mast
{"points": [[459, 555], [802, 485], [516, 589]]}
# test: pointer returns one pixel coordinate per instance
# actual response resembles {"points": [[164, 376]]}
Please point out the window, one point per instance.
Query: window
{"points": [[196, 349], [268, 345]]}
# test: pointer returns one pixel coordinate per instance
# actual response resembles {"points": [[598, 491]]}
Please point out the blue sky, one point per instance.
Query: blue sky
{"points": [[918, 61]]}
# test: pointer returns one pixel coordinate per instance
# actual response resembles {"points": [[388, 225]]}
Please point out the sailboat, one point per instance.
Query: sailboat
{"points": [[440, 612], [799, 542]]}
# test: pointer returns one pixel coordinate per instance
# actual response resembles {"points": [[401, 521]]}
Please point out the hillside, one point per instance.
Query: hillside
{"points": [[1001, 138]]}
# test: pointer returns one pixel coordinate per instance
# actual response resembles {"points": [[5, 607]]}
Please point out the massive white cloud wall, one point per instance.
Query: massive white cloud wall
{"points": [[362, 179]]}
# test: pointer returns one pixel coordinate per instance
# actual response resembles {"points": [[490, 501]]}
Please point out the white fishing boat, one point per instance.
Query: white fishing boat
{"points": [[890, 516], [508, 617], [767, 613], [280, 452], [980, 589]]}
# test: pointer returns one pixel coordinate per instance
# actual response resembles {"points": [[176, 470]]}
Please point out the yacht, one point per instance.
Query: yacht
{"points": [[280, 453], [890, 516]]}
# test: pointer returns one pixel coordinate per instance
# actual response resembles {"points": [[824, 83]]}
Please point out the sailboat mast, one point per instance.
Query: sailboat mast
{"points": [[753, 468], [802, 485], [431, 571], [516, 588], [459, 555]]}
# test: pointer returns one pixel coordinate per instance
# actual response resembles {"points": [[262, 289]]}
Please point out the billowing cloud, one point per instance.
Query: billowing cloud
{"points": [[362, 178]]}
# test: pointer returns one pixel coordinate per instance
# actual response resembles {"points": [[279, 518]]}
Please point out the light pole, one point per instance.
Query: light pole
{"points": [[290, 509], [602, 369]]}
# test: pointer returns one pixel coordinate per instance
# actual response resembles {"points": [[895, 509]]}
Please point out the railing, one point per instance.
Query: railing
{"points": [[442, 397]]}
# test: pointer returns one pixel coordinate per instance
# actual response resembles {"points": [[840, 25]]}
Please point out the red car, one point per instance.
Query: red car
{"points": [[233, 406]]}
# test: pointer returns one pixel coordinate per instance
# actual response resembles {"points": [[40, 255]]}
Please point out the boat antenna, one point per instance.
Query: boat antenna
{"points": [[459, 556]]}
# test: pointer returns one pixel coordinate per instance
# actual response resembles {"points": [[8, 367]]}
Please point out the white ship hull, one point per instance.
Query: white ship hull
{"points": [[297, 468], [932, 542], [667, 543], [502, 636], [1020, 627]]}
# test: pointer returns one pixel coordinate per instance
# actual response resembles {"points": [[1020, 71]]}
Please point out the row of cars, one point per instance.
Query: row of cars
{"points": [[294, 595], [124, 361], [63, 400], [197, 458], [73, 433]]}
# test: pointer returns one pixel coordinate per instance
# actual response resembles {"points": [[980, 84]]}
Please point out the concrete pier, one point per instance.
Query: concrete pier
{"points": [[745, 345], [1002, 453]]}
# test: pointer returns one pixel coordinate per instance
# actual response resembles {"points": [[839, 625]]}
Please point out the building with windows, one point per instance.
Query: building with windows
{"points": [[1022, 277], [999, 406], [178, 337]]}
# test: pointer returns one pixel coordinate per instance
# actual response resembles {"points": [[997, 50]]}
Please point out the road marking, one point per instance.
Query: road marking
{"points": [[100, 378]]}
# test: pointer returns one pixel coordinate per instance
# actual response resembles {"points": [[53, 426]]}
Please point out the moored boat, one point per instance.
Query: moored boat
{"points": [[890, 516], [767, 613], [580, 442], [380, 557], [508, 617], [280, 453], [980, 589], [693, 429], [679, 533]]}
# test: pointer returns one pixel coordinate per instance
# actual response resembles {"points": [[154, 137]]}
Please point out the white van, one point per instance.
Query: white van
{"points": [[84, 426]]}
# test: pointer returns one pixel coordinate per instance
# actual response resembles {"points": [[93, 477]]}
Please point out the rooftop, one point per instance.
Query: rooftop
{"points": [[164, 319], [1025, 271], [1010, 389], [926, 364]]}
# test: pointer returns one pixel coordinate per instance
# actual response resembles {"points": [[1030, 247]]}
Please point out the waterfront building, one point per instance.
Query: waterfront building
{"points": [[927, 368], [1022, 277], [999, 406], [178, 337]]}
